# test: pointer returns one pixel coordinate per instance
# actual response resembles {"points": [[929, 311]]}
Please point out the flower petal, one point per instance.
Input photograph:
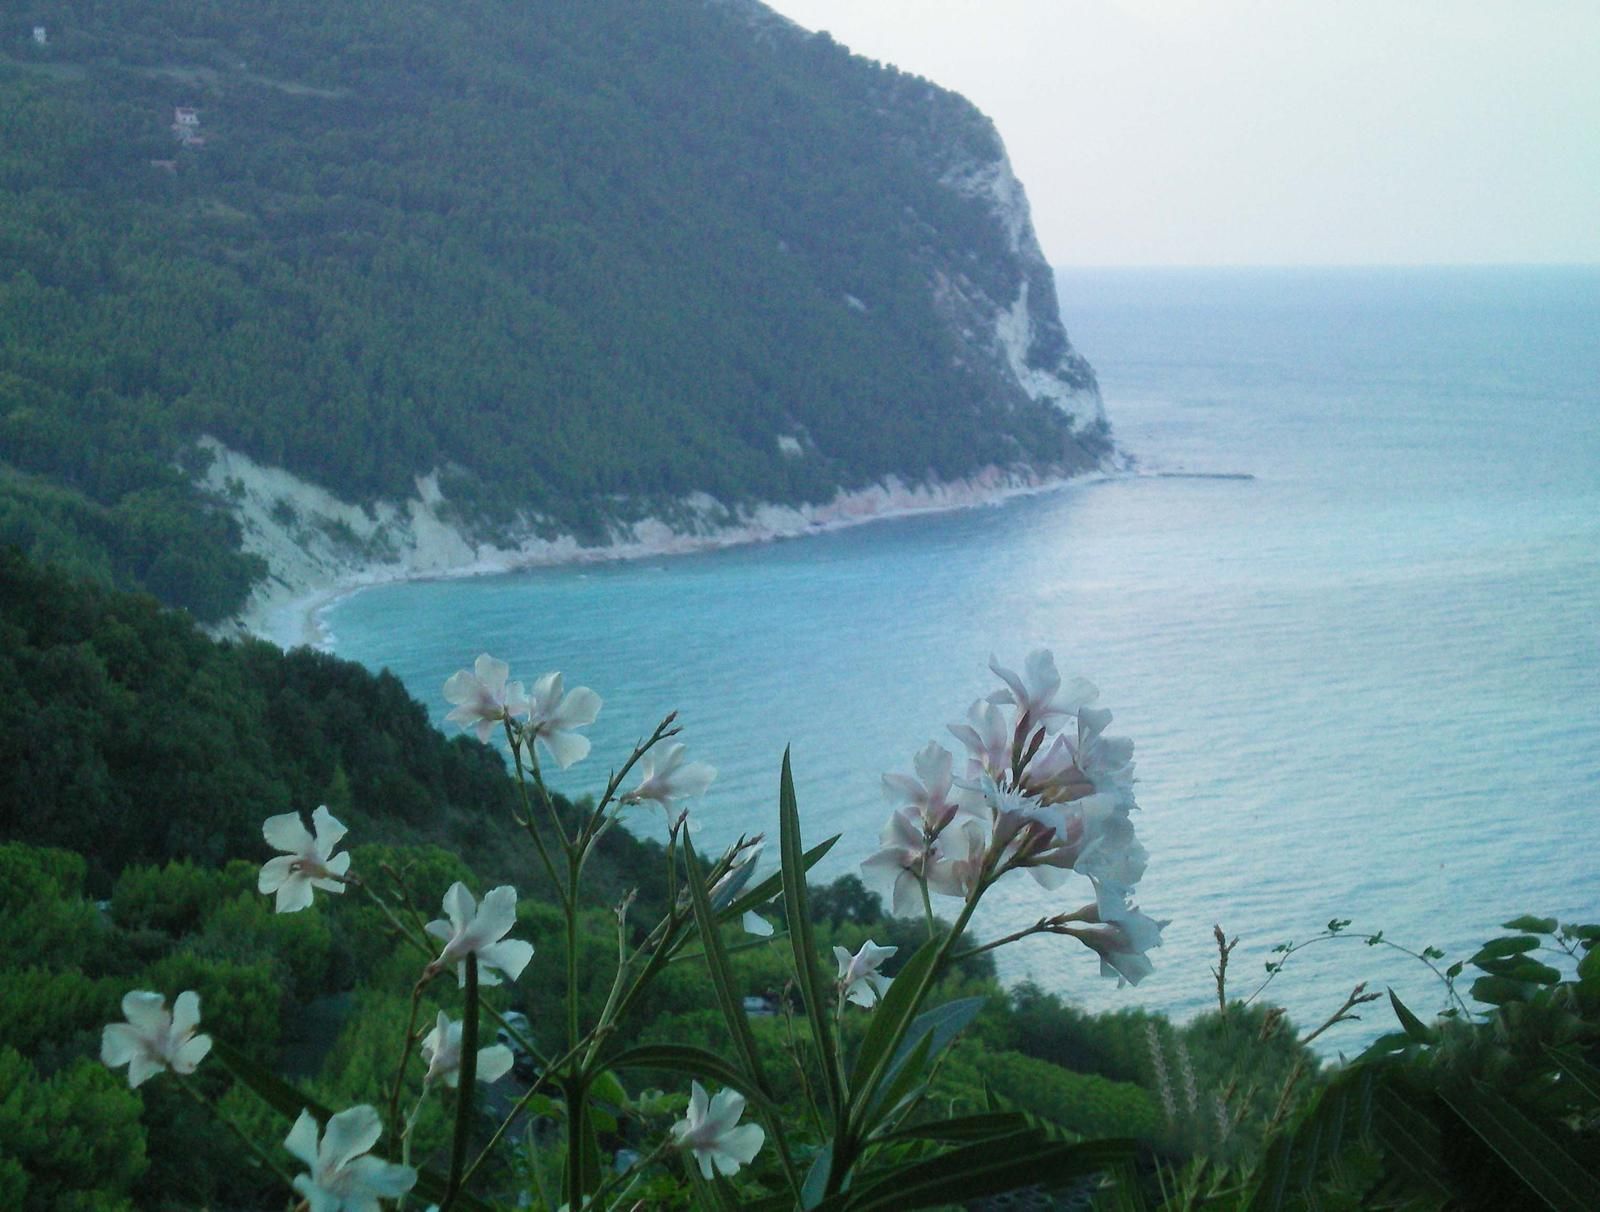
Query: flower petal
{"points": [[329, 831], [349, 1134], [510, 955], [294, 894], [185, 1013], [565, 747], [386, 1180], [459, 906], [119, 1044], [146, 1011], [275, 871], [578, 708], [494, 1062], [286, 832], [302, 1138], [186, 1058]]}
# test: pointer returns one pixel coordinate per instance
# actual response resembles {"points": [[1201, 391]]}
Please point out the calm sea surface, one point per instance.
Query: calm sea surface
{"points": [[1363, 683]]}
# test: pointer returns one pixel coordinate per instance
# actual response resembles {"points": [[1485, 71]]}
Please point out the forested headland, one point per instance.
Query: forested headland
{"points": [[579, 259]]}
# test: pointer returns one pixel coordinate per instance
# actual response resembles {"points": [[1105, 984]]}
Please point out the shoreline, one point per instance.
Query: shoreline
{"points": [[291, 616]]}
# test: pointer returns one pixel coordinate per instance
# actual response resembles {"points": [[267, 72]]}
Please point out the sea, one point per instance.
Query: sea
{"points": [[1345, 599]]}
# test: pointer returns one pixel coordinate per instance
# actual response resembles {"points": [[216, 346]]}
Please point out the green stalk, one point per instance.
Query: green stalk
{"points": [[465, 1089]]}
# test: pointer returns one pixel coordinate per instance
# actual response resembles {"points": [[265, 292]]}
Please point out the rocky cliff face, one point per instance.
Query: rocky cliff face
{"points": [[1002, 309]]}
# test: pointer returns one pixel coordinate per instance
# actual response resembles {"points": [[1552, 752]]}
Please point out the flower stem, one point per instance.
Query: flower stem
{"points": [[265, 1158]]}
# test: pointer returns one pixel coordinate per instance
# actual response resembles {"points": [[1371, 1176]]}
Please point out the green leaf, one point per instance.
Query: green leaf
{"points": [[696, 1062], [963, 1128], [268, 1087], [1589, 972], [936, 1028], [802, 943], [1499, 948], [1579, 1072], [889, 1020], [1415, 1028], [988, 1168], [721, 975], [1522, 968], [911, 1078], [1528, 924], [773, 884], [1499, 990], [816, 1184], [1530, 1150], [1411, 1141]]}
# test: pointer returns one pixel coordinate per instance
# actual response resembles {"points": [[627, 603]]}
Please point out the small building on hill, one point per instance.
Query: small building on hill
{"points": [[41, 36]]}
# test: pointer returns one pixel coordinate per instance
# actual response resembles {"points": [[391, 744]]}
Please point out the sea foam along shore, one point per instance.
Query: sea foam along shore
{"points": [[319, 549]]}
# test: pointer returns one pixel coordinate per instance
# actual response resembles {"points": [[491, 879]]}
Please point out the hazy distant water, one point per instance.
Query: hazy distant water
{"points": [[1365, 683]]}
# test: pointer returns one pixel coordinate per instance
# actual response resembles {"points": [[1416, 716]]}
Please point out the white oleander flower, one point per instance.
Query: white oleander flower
{"points": [[710, 1130], [1120, 936], [553, 717], [858, 974], [482, 697], [1039, 695], [308, 860], [1106, 761], [950, 863], [344, 1176], [1114, 855], [987, 739], [441, 1048], [956, 859], [155, 1038], [899, 862], [667, 779], [930, 792], [1045, 839], [480, 930]]}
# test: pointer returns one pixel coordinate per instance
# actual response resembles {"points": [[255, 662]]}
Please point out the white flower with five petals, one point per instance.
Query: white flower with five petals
{"points": [[480, 930], [666, 778], [859, 977], [344, 1176], [553, 718], [441, 1049], [711, 1131], [154, 1038], [307, 860], [482, 696]]}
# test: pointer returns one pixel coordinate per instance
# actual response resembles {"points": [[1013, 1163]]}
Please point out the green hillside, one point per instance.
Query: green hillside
{"points": [[582, 258]]}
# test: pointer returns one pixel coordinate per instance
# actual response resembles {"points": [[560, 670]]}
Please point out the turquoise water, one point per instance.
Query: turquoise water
{"points": [[1364, 683]]}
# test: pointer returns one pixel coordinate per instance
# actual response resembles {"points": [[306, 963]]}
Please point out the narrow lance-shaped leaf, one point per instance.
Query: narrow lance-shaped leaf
{"points": [[1532, 1152], [889, 1021], [802, 942], [695, 1062], [716, 958]]}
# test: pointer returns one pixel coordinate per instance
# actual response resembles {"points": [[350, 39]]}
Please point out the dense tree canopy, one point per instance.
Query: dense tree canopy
{"points": [[580, 257]]}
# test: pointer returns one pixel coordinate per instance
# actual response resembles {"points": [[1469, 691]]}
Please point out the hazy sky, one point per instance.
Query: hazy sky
{"points": [[1273, 132]]}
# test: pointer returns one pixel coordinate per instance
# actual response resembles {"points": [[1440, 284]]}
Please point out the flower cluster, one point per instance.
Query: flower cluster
{"points": [[1045, 791], [550, 715]]}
